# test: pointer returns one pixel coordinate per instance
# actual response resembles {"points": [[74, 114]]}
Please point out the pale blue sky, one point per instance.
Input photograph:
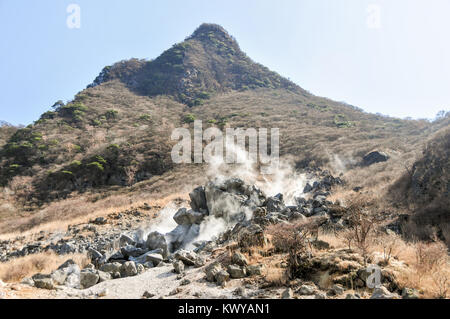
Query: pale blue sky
{"points": [[401, 68]]}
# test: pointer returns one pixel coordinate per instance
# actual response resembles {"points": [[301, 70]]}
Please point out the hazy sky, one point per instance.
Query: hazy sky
{"points": [[386, 56]]}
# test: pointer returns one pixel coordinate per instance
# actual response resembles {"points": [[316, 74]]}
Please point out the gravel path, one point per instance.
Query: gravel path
{"points": [[160, 282]]}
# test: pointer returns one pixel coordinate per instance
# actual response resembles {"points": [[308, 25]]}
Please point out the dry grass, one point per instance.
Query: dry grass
{"points": [[19, 268], [59, 215], [419, 265], [429, 268]]}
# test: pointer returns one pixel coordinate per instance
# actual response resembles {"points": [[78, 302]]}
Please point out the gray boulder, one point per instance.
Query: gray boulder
{"points": [[337, 289], [128, 269], [43, 281], [410, 293], [189, 258], [383, 293], [374, 157], [254, 270], [126, 240], [157, 240], [239, 259], [232, 199], [182, 235], [178, 267], [73, 280], [188, 217], [211, 271], [132, 251], [67, 263], [140, 268], [94, 254], [154, 258], [275, 204], [236, 272], [287, 294], [59, 277], [111, 268], [103, 276], [222, 277], [99, 221], [88, 278], [198, 199], [307, 290]]}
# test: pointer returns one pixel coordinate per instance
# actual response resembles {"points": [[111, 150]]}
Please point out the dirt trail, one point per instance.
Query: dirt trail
{"points": [[159, 281]]}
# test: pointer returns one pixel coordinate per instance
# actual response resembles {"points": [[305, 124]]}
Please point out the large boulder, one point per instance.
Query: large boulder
{"points": [[198, 199], [154, 258], [232, 199], [67, 263], [88, 278], [275, 203], [222, 277], [212, 270], [94, 254], [374, 157], [60, 275], [43, 281], [236, 272], [73, 280], [307, 290], [188, 217], [111, 268], [132, 251], [178, 267], [125, 240], [128, 269], [67, 274], [254, 270], [239, 259], [216, 273], [182, 235], [103, 276], [157, 240], [189, 258]]}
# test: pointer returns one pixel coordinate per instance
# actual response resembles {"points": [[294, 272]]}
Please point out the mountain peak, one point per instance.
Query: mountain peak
{"points": [[206, 63], [208, 28]]}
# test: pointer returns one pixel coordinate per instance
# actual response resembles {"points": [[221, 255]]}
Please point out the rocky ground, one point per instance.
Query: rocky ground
{"points": [[207, 254]]}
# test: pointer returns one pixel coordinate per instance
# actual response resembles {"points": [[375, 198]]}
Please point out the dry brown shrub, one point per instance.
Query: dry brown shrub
{"points": [[296, 240], [430, 256], [441, 279], [363, 218], [388, 245]]}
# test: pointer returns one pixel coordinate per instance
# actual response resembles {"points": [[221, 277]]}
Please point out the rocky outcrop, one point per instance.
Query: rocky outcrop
{"points": [[374, 157], [242, 209]]}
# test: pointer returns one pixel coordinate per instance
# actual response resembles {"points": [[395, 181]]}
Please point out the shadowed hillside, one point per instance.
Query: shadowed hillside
{"points": [[425, 189]]}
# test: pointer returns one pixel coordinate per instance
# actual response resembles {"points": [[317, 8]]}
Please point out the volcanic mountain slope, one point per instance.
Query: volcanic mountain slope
{"points": [[117, 131], [206, 63]]}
